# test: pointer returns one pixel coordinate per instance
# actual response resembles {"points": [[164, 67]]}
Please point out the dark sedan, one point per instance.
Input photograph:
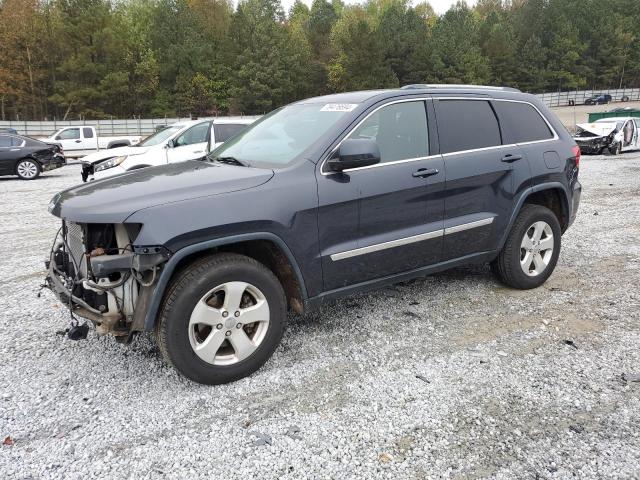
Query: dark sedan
{"points": [[27, 157]]}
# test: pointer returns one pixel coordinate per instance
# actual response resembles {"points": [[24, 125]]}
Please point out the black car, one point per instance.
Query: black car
{"points": [[598, 99], [317, 200], [8, 130], [27, 157]]}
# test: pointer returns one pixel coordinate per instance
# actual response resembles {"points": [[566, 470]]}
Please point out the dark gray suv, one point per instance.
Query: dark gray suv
{"points": [[316, 200]]}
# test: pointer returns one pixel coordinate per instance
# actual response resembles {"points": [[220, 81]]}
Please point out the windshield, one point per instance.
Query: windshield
{"points": [[280, 137], [159, 137]]}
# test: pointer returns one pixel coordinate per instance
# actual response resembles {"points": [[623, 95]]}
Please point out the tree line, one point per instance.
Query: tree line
{"points": [[152, 58]]}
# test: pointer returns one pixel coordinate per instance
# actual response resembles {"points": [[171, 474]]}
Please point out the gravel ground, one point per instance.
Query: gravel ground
{"points": [[453, 376]]}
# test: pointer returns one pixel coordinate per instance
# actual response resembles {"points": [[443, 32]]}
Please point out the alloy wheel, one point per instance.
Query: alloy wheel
{"points": [[27, 169], [536, 249], [229, 323]]}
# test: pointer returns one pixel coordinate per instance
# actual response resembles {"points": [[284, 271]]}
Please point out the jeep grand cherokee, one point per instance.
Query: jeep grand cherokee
{"points": [[317, 200]]}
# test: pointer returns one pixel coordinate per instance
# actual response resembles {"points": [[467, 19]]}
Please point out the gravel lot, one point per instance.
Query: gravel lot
{"points": [[452, 376]]}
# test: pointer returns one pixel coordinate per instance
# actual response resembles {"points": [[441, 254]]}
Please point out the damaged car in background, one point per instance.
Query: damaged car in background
{"points": [[615, 135]]}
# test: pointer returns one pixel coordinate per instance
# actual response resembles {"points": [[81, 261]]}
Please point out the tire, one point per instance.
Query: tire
{"points": [[625, 99], [511, 263], [616, 149], [201, 292], [27, 169]]}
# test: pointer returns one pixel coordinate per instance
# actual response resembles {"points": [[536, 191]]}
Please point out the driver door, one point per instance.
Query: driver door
{"points": [[70, 139], [191, 144]]}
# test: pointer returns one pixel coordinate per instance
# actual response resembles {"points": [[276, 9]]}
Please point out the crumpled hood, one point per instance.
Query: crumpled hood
{"points": [[100, 155], [114, 199], [597, 129]]}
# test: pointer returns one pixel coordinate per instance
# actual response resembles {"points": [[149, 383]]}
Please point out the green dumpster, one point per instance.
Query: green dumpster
{"points": [[624, 113]]}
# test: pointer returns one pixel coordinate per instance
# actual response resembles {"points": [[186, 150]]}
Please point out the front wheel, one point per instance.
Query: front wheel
{"points": [[27, 169], [616, 149], [531, 251], [221, 319]]}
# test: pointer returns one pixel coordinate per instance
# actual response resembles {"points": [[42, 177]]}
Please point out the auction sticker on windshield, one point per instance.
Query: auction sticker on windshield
{"points": [[338, 107]]}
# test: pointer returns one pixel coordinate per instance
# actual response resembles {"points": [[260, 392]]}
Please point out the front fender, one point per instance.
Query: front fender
{"points": [[177, 257]]}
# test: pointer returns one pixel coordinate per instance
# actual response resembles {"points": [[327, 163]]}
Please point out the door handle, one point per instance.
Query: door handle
{"points": [[78, 141], [425, 172], [199, 151], [511, 158]]}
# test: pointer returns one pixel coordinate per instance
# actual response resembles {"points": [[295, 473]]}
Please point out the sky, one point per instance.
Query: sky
{"points": [[440, 6]]}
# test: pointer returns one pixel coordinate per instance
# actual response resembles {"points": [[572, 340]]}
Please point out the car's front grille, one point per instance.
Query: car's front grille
{"points": [[75, 243]]}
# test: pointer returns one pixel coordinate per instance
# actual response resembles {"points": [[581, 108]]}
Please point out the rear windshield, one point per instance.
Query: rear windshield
{"points": [[278, 138]]}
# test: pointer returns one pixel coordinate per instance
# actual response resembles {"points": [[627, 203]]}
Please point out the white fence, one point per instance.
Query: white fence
{"points": [[578, 97], [135, 126], [146, 126]]}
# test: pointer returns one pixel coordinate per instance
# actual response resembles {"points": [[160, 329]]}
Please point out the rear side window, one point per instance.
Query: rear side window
{"points": [[521, 123], [224, 131], [5, 141], [17, 142], [400, 130], [466, 125], [87, 132]]}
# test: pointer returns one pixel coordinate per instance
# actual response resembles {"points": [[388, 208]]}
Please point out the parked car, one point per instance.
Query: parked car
{"points": [[188, 140], [317, 200], [82, 140], [27, 157], [614, 134], [8, 130], [598, 99]]}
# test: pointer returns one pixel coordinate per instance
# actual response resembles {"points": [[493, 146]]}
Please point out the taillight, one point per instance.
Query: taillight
{"points": [[576, 154]]}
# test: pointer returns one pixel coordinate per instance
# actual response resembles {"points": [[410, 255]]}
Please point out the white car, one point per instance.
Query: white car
{"points": [[81, 140], [188, 140], [615, 134]]}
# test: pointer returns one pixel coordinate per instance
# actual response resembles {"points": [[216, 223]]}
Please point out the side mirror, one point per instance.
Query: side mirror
{"points": [[171, 143], [354, 153]]}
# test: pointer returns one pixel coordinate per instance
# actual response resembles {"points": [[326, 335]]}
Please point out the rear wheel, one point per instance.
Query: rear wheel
{"points": [[532, 248], [222, 318], [27, 169]]}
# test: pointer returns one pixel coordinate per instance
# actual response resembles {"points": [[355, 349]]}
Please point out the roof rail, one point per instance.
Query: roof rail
{"points": [[417, 86]]}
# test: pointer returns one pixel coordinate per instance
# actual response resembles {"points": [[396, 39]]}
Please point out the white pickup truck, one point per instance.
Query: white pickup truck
{"points": [[82, 140]]}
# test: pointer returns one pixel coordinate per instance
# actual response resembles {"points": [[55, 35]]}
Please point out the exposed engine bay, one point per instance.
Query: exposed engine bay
{"points": [[95, 270]]}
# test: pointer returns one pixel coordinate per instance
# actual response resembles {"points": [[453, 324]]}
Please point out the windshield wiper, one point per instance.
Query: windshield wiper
{"points": [[231, 161]]}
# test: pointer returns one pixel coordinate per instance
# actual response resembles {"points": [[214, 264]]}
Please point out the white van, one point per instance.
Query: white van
{"points": [[188, 140]]}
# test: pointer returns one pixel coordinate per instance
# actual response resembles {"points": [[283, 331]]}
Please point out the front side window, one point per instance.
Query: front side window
{"points": [[400, 130], [69, 134], [279, 138], [521, 123], [224, 131], [466, 125], [196, 134]]}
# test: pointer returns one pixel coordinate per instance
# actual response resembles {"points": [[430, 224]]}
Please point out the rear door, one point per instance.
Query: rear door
{"points": [[479, 194], [384, 219], [191, 144], [8, 155], [89, 139]]}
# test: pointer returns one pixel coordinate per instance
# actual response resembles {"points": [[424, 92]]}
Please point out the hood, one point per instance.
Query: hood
{"points": [[100, 155], [597, 129], [114, 199]]}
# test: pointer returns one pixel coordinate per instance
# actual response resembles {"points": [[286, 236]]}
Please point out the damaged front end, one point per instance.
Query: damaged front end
{"points": [[96, 271], [593, 144]]}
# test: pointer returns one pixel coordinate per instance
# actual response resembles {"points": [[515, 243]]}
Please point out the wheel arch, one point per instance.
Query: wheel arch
{"points": [[552, 195], [27, 157], [265, 247]]}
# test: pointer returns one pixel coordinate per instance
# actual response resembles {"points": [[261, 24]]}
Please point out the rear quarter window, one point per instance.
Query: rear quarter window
{"points": [[521, 123], [466, 125]]}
